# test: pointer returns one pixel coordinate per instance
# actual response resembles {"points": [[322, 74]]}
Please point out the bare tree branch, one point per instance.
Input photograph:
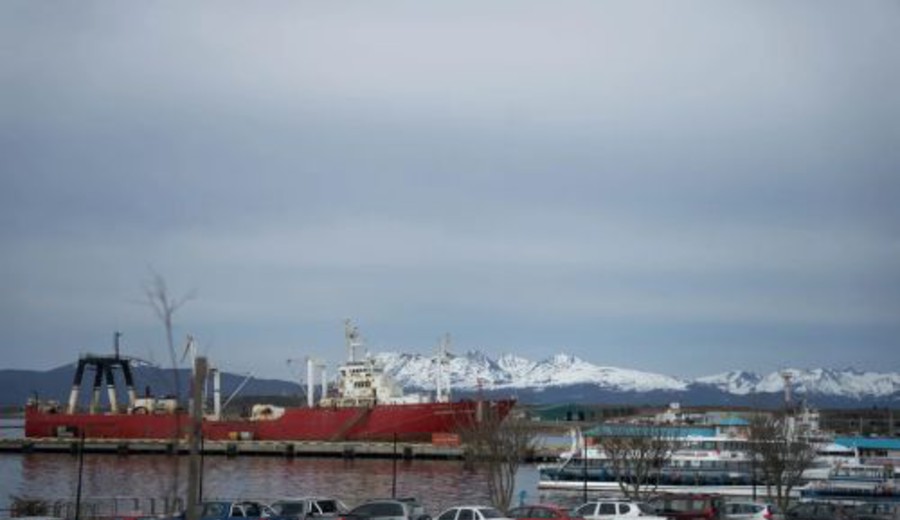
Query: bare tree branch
{"points": [[781, 456], [499, 446], [164, 306], [636, 456]]}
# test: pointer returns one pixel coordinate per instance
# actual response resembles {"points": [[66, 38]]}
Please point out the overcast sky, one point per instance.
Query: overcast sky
{"points": [[682, 187]]}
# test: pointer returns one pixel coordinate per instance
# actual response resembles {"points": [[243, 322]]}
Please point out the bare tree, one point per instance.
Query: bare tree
{"points": [[165, 306], [779, 455], [499, 446], [636, 455]]}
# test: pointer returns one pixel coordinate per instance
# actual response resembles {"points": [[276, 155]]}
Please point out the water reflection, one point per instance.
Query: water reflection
{"points": [[438, 484]]}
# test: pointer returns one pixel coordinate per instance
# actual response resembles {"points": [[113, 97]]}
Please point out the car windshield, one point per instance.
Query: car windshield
{"points": [[288, 508], [490, 512], [329, 506], [213, 509]]}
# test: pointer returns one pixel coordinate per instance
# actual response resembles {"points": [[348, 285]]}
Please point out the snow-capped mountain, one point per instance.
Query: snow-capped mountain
{"points": [[844, 383], [736, 382], [474, 370]]}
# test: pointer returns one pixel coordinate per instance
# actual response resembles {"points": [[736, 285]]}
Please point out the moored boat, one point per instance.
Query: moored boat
{"points": [[366, 405], [855, 483]]}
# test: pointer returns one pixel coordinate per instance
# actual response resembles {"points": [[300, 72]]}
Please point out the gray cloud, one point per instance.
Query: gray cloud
{"points": [[718, 180]]}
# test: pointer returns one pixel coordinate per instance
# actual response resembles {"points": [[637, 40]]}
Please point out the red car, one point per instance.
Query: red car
{"points": [[540, 512], [689, 507]]}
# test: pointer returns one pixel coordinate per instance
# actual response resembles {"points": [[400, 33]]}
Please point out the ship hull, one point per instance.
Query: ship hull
{"points": [[405, 422]]}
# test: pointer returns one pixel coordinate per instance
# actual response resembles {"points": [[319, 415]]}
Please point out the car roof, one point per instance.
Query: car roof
{"points": [[298, 499], [689, 495]]}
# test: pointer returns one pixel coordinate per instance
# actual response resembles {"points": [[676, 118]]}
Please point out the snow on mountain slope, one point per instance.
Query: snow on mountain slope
{"points": [[736, 382], [847, 383], [474, 369]]}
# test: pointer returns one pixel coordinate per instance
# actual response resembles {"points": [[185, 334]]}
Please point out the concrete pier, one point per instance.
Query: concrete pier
{"points": [[383, 450]]}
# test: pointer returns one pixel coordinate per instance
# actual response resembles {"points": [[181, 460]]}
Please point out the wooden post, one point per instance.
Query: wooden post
{"points": [[196, 435], [394, 474]]}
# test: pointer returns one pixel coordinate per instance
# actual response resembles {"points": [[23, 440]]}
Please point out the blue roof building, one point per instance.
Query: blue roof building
{"points": [[870, 444]]}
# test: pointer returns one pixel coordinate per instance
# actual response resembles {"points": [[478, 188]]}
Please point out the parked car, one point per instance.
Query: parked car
{"points": [[818, 511], [306, 507], [540, 512], [223, 509], [751, 511], [604, 509], [388, 509], [472, 513], [877, 511], [689, 506]]}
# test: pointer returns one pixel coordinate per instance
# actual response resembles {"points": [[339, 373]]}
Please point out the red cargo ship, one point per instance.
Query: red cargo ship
{"points": [[367, 405]]}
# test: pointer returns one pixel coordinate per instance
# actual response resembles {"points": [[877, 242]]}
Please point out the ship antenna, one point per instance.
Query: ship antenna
{"points": [[116, 336], [787, 376], [443, 347], [351, 335]]}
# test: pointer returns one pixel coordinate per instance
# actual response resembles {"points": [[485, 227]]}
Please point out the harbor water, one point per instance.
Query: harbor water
{"points": [[437, 483]]}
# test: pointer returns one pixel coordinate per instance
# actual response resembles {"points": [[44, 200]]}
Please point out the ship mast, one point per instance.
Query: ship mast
{"points": [[351, 335], [443, 346]]}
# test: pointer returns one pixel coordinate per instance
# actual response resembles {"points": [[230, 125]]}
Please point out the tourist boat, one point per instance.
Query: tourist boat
{"points": [[366, 405], [700, 463], [708, 464], [855, 483]]}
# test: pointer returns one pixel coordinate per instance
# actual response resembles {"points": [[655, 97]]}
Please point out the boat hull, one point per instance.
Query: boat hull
{"points": [[405, 422], [613, 487]]}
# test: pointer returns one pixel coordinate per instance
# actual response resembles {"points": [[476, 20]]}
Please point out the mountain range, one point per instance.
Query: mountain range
{"points": [[557, 379], [566, 378]]}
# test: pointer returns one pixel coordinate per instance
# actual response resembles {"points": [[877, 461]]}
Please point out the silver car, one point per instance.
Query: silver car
{"points": [[307, 507], [751, 511], [388, 509]]}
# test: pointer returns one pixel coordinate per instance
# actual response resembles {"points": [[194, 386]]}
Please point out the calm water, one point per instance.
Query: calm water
{"points": [[438, 484]]}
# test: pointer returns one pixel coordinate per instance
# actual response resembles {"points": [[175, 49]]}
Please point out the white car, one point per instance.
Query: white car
{"points": [[607, 509], [751, 511], [472, 513], [305, 507]]}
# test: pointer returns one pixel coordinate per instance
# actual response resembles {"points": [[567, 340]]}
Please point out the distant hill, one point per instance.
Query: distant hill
{"points": [[559, 378], [16, 386]]}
